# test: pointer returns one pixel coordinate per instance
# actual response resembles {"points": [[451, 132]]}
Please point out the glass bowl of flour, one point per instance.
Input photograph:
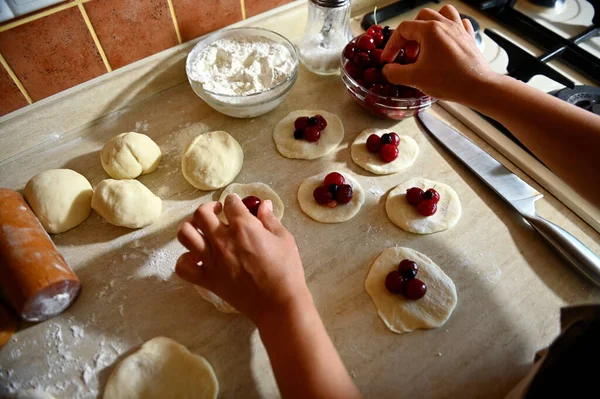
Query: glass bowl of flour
{"points": [[243, 72]]}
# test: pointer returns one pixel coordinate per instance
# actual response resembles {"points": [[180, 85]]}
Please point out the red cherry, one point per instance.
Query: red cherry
{"points": [[322, 195], [414, 196], [322, 122], [378, 38], [374, 29], [376, 88], [312, 134], [252, 203], [365, 42], [374, 143], [376, 57], [334, 178], [353, 71], [389, 152], [373, 76], [395, 139], [389, 91], [400, 57], [412, 50], [427, 207], [408, 269], [301, 123], [433, 195], [344, 194], [350, 50], [394, 282], [362, 60], [414, 289]]}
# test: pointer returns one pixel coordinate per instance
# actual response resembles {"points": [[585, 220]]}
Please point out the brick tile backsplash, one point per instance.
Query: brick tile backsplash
{"points": [[54, 49]]}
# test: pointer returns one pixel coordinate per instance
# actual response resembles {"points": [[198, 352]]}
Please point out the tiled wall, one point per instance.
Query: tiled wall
{"points": [[77, 40]]}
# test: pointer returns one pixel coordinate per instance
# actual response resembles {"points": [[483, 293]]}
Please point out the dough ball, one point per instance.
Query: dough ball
{"points": [[60, 198], [126, 203], [212, 160], [322, 213], [160, 369], [405, 216], [408, 149], [289, 147], [403, 315], [130, 155], [220, 304], [259, 190]]}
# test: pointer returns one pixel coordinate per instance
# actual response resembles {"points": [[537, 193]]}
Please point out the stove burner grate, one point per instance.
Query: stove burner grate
{"points": [[586, 97]]}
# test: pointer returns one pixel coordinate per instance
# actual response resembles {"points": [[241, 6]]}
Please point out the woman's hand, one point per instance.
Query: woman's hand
{"points": [[253, 263], [449, 62]]}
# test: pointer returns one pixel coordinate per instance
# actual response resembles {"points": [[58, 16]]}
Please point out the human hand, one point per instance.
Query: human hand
{"points": [[449, 63], [253, 263]]}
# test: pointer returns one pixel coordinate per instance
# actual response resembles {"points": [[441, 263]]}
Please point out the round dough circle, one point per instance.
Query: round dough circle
{"points": [[408, 149], [322, 213], [60, 198], [405, 216], [400, 314], [126, 203], [162, 368], [130, 155], [289, 147], [220, 304], [212, 160], [259, 190]]}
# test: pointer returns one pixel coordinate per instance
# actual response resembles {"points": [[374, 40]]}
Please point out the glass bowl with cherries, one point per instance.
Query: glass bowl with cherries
{"points": [[362, 76]]}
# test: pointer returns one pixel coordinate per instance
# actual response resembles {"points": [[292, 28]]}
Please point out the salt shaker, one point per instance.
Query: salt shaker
{"points": [[327, 33]]}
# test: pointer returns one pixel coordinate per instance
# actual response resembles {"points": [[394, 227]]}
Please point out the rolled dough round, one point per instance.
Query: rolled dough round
{"points": [[408, 149], [220, 304], [126, 203], [130, 155], [212, 160], [160, 369], [322, 213], [405, 216], [403, 315], [259, 190], [289, 147], [60, 198]]}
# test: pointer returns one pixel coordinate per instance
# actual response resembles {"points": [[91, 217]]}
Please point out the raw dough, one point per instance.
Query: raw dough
{"points": [[33, 394], [259, 190], [160, 369], [322, 213], [130, 155], [60, 198], [407, 153], [212, 160], [126, 203], [405, 216], [220, 304], [289, 147], [400, 314]]}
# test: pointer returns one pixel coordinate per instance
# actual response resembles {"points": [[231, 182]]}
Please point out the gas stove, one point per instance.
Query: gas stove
{"points": [[552, 45]]}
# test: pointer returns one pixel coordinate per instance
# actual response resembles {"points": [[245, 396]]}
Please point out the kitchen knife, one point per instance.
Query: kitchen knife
{"points": [[520, 195]]}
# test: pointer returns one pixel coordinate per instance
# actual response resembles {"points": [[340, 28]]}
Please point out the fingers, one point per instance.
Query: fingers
{"points": [[427, 14], [187, 268], [195, 242], [205, 217], [451, 13], [268, 218], [468, 26], [399, 74], [234, 208], [393, 47]]}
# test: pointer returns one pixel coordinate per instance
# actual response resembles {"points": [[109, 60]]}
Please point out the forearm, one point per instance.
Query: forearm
{"points": [[564, 137], [304, 360]]}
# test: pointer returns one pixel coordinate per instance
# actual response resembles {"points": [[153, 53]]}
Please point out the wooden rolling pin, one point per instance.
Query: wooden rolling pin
{"points": [[33, 274]]}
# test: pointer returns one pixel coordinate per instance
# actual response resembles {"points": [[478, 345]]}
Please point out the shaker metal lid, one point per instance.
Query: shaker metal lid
{"points": [[331, 3]]}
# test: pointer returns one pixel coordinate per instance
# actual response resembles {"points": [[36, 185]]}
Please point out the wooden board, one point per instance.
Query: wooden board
{"points": [[510, 284]]}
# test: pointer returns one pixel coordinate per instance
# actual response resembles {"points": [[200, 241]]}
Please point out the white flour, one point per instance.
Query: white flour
{"points": [[242, 65]]}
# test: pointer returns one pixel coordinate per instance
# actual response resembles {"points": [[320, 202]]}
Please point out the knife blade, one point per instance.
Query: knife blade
{"points": [[520, 195]]}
